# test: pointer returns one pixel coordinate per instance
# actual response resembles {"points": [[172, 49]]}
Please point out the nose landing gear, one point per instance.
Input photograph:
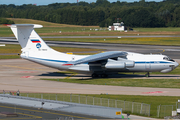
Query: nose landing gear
{"points": [[147, 74]]}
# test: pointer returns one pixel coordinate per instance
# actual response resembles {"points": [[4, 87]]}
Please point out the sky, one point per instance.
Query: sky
{"points": [[46, 2]]}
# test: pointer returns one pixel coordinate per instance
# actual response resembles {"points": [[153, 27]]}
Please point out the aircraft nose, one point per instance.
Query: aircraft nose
{"points": [[176, 64]]}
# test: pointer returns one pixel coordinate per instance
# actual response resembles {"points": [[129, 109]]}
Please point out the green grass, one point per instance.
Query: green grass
{"points": [[63, 29], [153, 100], [44, 23], [165, 29], [53, 29], [47, 24], [48, 31], [174, 41], [9, 48], [155, 83], [9, 56], [6, 32]]}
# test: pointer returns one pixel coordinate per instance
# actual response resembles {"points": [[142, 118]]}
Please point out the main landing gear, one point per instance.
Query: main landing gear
{"points": [[94, 75], [147, 74]]}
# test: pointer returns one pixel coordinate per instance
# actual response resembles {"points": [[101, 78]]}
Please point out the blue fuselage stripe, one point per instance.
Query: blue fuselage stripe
{"points": [[49, 60], [142, 62], [151, 62]]}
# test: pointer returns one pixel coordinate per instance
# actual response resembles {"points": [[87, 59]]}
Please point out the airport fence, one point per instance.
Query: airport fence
{"points": [[165, 110], [127, 106]]}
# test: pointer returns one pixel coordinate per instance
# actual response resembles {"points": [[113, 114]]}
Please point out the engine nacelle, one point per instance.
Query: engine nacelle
{"points": [[115, 65], [129, 64]]}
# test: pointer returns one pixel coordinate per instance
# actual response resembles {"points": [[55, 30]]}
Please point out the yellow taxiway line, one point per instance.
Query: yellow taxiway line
{"points": [[29, 115], [70, 76]]}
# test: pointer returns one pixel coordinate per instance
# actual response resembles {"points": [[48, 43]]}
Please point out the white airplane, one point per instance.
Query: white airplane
{"points": [[36, 50]]}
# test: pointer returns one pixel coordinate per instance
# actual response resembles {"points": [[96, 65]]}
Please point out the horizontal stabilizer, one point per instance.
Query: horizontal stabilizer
{"points": [[24, 25]]}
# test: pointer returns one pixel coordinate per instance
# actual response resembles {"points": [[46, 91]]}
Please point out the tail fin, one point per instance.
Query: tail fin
{"points": [[27, 37]]}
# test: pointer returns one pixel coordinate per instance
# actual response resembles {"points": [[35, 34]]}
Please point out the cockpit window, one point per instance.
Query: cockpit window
{"points": [[168, 59]]}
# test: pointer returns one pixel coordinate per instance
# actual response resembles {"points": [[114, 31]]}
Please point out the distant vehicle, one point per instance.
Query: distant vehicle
{"points": [[99, 65]]}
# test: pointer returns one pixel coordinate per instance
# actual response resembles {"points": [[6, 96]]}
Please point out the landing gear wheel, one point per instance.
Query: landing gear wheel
{"points": [[94, 75], [147, 74], [104, 75]]}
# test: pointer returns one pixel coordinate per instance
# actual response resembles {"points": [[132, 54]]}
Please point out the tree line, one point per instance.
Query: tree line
{"points": [[5, 21], [101, 12]]}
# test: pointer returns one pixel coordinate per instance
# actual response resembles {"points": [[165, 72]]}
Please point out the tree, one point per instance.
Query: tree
{"points": [[103, 13]]}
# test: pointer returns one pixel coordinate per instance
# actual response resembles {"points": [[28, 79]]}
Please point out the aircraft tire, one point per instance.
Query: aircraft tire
{"points": [[94, 75], [104, 75]]}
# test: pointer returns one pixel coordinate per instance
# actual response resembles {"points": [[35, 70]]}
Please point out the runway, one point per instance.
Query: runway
{"points": [[19, 74], [171, 51]]}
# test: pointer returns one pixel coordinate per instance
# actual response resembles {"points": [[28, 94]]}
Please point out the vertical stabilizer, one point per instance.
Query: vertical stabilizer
{"points": [[27, 37]]}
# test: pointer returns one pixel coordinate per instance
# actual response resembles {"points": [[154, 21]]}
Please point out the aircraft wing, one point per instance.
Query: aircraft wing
{"points": [[98, 57]]}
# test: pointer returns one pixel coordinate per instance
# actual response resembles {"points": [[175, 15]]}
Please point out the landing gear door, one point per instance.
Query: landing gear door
{"points": [[148, 65]]}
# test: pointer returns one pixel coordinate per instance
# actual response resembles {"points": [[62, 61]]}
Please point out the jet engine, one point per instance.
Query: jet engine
{"points": [[119, 64], [129, 64], [115, 65]]}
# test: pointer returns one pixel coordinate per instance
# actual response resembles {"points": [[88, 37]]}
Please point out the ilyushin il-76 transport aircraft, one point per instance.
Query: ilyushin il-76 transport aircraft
{"points": [[98, 65]]}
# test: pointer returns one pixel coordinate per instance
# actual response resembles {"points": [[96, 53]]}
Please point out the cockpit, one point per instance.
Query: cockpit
{"points": [[168, 59]]}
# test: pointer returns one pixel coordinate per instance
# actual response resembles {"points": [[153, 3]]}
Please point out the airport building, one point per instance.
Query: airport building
{"points": [[117, 27]]}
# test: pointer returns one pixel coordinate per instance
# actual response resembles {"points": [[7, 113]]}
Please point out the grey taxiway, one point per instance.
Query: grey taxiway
{"points": [[171, 51]]}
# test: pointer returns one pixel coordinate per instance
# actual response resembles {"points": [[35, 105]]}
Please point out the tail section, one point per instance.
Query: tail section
{"points": [[36, 50], [27, 37]]}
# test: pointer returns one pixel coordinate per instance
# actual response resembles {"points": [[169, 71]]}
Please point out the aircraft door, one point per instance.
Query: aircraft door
{"points": [[148, 65]]}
